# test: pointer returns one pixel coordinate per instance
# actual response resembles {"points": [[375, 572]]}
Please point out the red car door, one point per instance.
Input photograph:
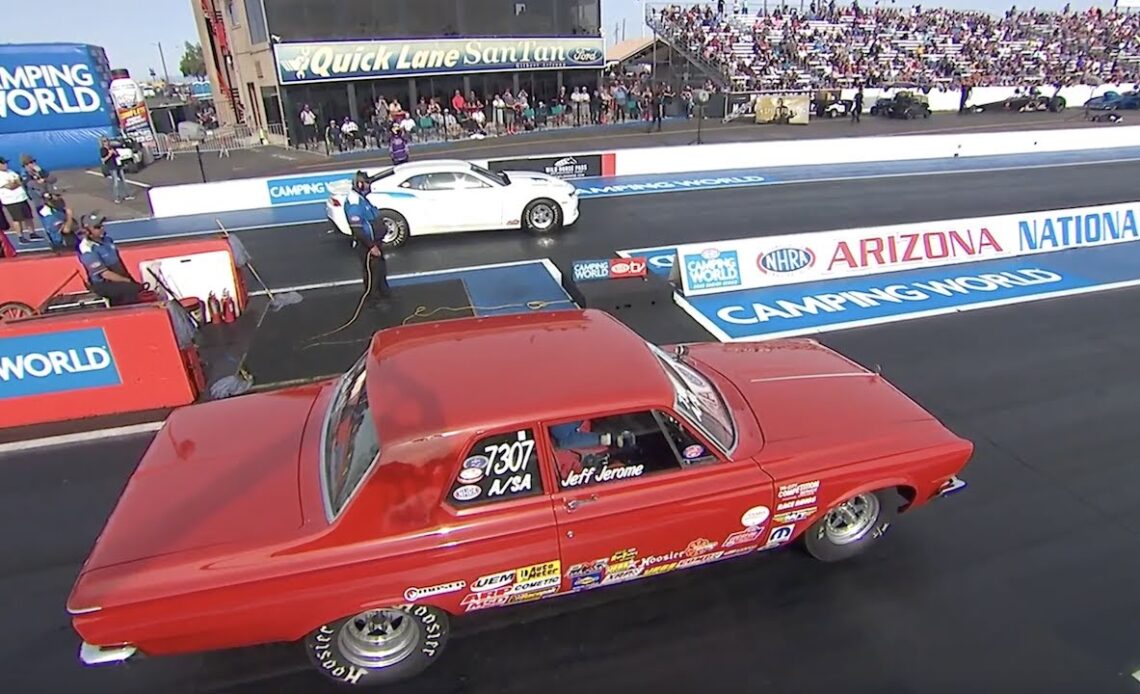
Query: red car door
{"points": [[639, 494]]}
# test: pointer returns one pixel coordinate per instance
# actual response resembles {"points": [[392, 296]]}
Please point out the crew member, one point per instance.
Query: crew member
{"points": [[59, 222], [106, 274], [362, 214], [857, 105], [398, 146]]}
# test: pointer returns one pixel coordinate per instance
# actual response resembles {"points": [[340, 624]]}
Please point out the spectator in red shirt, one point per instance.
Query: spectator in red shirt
{"points": [[458, 103]]}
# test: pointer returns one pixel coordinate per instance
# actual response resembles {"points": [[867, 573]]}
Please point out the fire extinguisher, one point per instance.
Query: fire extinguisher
{"points": [[213, 308], [229, 308]]}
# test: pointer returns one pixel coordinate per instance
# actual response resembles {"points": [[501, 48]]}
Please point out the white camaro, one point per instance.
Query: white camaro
{"points": [[445, 195]]}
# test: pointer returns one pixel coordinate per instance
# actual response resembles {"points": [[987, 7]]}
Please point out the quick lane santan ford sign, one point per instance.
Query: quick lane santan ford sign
{"points": [[351, 60]]}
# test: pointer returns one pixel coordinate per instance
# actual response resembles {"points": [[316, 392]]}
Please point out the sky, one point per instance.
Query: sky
{"points": [[131, 32]]}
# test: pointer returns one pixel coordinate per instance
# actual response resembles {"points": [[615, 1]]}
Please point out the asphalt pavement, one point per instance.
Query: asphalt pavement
{"points": [[1025, 582]]}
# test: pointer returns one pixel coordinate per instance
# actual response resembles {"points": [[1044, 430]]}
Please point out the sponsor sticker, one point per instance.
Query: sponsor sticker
{"points": [[742, 537], [470, 475], [537, 585], [755, 516], [798, 489], [796, 503], [699, 546], [493, 581], [414, 594], [693, 452], [781, 534], [628, 267], [544, 570], [785, 260], [566, 168], [795, 516], [467, 492]]}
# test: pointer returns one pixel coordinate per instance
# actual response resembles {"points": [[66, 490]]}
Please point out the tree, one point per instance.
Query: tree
{"points": [[193, 64]]}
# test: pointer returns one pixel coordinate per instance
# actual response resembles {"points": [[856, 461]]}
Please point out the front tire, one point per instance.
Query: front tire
{"points": [[379, 647], [851, 526], [394, 228], [542, 216]]}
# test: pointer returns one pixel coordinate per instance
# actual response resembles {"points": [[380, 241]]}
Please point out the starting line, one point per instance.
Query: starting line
{"points": [[817, 307]]}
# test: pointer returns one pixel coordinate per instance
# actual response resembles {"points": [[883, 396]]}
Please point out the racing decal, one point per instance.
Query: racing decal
{"points": [[603, 473], [755, 516], [798, 490], [537, 585], [414, 594], [660, 569], [795, 516], [698, 560], [544, 570], [493, 581], [738, 552], [583, 576], [699, 546], [693, 452], [795, 503], [622, 576], [467, 492], [501, 466], [780, 534], [743, 537]]}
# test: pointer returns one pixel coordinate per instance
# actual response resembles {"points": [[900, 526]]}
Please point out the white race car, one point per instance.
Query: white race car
{"points": [[449, 195]]}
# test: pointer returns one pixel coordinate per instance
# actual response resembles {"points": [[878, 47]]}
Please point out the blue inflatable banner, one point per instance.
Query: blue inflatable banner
{"points": [[53, 87]]}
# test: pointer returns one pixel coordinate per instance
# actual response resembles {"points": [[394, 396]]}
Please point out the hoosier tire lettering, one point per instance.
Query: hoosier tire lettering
{"points": [[419, 632]]}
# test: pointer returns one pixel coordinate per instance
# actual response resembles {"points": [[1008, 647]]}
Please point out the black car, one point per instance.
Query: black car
{"points": [[905, 105]]}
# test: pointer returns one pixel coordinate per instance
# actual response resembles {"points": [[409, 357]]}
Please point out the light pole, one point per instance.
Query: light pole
{"points": [[162, 57]]}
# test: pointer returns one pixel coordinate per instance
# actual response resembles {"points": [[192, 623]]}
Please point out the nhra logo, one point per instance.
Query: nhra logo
{"points": [[785, 260]]}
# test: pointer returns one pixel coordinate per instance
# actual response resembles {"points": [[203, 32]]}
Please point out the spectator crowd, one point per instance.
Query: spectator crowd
{"points": [[827, 45]]}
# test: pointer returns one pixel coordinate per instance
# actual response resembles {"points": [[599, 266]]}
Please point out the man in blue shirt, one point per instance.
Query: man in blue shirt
{"points": [[106, 274], [362, 215], [59, 222]]}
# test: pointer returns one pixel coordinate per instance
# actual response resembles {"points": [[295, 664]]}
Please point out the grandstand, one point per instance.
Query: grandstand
{"points": [[832, 46]]}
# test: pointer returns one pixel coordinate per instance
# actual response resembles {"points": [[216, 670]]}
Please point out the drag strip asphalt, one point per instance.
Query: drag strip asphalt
{"points": [[305, 254], [1023, 582]]}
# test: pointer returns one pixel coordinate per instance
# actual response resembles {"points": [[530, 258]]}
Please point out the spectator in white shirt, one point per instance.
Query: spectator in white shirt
{"points": [[15, 200], [309, 126]]}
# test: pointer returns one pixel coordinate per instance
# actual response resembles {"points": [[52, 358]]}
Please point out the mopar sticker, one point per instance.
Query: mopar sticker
{"points": [[56, 363]]}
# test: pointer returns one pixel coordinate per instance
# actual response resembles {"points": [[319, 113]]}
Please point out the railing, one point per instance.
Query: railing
{"points": [[678, 40], [222, 140]]}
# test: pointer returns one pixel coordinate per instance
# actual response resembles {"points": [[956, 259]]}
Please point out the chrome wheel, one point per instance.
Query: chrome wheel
{"points": [[391, 230], [852, 520], [379, 638], [541, 217]]}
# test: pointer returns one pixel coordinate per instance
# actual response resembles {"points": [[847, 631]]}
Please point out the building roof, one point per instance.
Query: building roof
{"points": [[624, 50], [473, 374]]}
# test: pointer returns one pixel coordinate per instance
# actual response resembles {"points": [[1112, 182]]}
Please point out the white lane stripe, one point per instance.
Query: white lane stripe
{"points": [[79, 437], [836, 327]]}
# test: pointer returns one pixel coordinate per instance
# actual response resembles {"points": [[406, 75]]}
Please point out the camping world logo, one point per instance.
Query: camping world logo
{"points": [[785, 260]]}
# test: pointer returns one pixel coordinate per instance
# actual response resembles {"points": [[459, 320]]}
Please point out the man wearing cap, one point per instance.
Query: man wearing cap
{"points": [[15, 200], [106, 274], [59, 222]]}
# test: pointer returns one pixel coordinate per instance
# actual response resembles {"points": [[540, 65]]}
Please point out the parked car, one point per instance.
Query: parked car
{"points": [[1114, 101], [909, 105], [444, 196], [476, 463]]}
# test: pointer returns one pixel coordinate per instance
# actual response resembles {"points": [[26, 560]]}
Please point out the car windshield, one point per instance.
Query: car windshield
{"points": [[493, 175], [351, 444], [698, 400]]}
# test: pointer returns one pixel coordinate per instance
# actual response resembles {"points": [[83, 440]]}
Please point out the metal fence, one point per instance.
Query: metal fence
{"points": [[221, 141]]}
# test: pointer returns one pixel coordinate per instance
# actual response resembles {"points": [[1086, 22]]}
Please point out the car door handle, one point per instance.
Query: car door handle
{"points": [[572, 504]]}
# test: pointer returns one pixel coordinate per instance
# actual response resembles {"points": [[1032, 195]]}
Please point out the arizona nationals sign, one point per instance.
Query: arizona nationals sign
{"points": [[710, 268]]}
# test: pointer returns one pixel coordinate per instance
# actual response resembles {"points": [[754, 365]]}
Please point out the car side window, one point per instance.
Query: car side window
{"points": [[498, 467], [687, 446], [604, 450], [468, 182], [431, 181]]}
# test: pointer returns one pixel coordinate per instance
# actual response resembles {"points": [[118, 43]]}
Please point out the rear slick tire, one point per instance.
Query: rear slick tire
{"points": [[850, 527], [379, 647]]}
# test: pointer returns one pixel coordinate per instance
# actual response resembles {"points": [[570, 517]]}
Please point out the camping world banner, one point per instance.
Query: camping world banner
{"points": [[353, 60]]}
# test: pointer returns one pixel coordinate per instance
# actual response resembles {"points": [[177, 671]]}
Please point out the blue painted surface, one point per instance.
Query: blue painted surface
{"points": [[623, 186], [830, 304], [56, 363], [500, 290]]}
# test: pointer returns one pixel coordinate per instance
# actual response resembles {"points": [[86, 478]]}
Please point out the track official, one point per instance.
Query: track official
{"points": [[106, 274], [362, 215]]}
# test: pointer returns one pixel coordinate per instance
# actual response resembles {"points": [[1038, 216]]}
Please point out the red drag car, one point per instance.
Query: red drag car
{"points": [[469, 464]]}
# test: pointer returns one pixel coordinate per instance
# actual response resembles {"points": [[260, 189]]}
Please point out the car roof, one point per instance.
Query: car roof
{"points": [[429, 165], [472, 374]]}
